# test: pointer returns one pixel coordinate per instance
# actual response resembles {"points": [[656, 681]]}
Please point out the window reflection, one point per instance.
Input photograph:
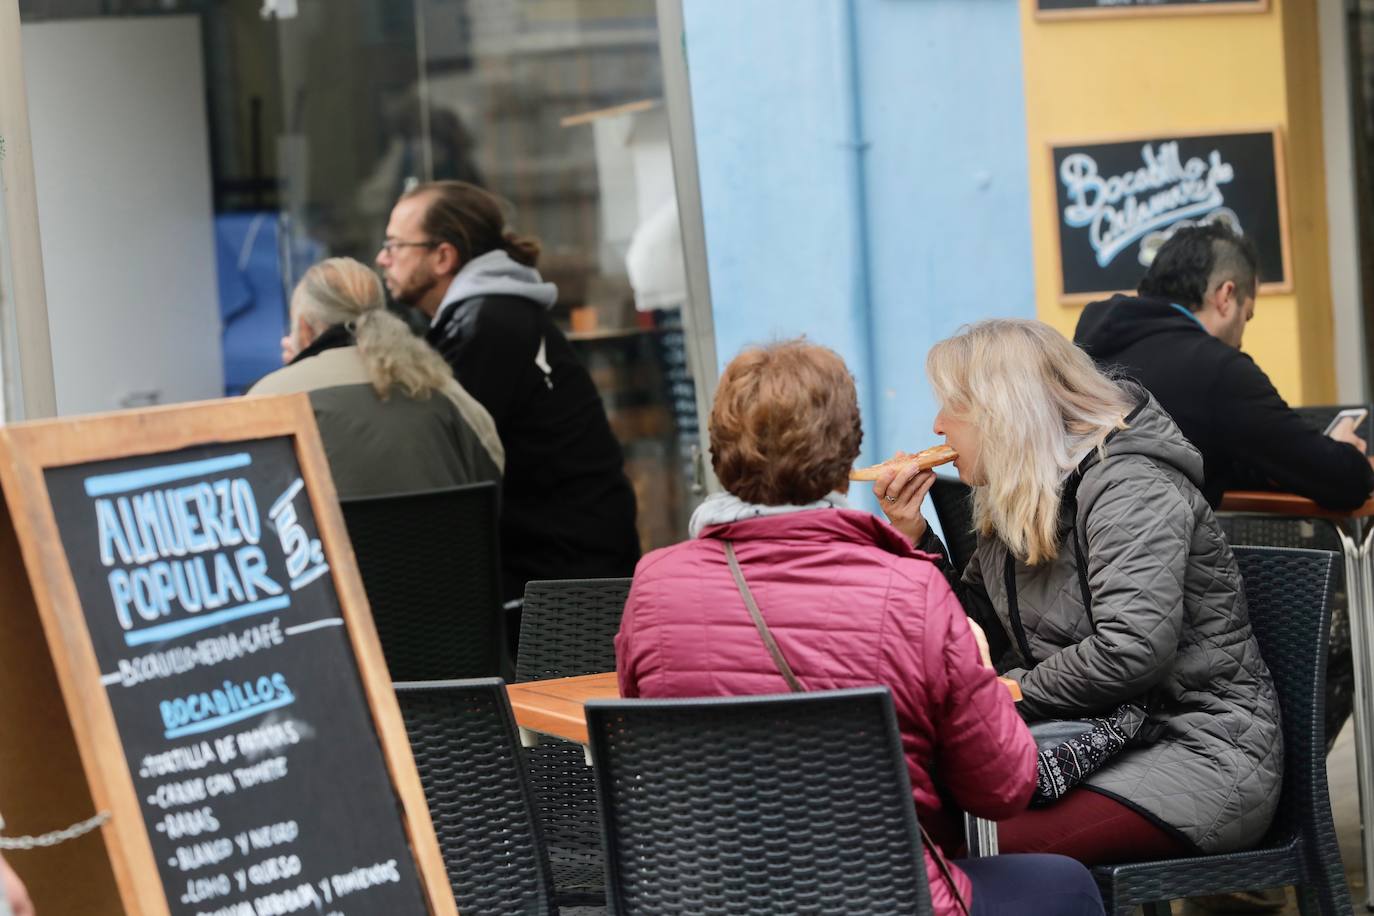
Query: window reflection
{"points": [[321, 112]]}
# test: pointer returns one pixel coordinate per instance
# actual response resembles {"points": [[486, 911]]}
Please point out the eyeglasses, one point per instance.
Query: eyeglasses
{"points": [[390, 245]]}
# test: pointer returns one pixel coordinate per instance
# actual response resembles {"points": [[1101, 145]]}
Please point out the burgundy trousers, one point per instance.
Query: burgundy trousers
{"points": [[1092, 828]]}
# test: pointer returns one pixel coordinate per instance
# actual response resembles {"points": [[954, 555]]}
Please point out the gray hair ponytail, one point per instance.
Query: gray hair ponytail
{"points": [[345, 291]]}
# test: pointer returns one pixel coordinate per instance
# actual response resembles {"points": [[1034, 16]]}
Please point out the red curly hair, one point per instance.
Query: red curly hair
{"points": [[785, 426]]}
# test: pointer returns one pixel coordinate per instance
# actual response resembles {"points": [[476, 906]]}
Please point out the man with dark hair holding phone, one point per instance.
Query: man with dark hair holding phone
{"points": [[1180, 338]]}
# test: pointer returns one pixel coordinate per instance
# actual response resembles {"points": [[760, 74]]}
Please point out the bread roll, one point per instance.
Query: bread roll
{"points": [[925, 459]]}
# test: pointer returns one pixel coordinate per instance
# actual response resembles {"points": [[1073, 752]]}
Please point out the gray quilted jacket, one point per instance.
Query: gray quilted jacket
{"points": [[1169, 630]]}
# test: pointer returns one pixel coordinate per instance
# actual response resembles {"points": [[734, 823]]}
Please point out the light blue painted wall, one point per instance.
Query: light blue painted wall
{"points": [[769, 95], [941, 235]]}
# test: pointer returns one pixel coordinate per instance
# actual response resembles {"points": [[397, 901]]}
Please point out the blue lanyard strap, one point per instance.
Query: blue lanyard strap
{"points": [[1188, 313]]}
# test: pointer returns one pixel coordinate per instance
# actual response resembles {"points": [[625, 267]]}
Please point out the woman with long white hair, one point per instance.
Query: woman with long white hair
{"points": [[392, 416], [1103, 579]]}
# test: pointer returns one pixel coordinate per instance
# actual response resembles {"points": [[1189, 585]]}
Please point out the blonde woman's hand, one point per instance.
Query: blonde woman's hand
{"points": [[982, 639], [900, 492]]}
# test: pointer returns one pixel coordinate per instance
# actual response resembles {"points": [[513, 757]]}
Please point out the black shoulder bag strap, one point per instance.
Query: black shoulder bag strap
{"points": [[772, 644], [796, 687], [1148, 732], [1069, 500]]}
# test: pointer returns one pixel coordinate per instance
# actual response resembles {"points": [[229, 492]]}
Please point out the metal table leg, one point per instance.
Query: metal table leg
{"points": [[1359, 586], [981, 836]]}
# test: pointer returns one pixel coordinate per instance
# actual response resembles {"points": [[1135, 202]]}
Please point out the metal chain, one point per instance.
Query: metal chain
{"points": [[54, 837]]}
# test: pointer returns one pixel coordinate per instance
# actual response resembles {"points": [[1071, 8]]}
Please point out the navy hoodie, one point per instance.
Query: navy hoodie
{"points": [[1223, 402]]}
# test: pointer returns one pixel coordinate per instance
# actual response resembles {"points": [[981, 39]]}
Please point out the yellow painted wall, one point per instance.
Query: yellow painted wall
{"points": [[1116, 76]]}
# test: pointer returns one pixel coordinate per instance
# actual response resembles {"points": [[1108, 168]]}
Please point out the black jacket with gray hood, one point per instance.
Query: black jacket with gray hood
{"points": [[1169, 629], [567, 510]]}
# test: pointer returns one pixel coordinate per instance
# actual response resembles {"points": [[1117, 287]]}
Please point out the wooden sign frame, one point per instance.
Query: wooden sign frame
{"points": [[1126, 12], [1281, 189], [71, 683]]}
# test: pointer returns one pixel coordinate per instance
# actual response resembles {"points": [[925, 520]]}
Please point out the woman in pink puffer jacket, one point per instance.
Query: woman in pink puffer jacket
{"points": [[851, 603]]}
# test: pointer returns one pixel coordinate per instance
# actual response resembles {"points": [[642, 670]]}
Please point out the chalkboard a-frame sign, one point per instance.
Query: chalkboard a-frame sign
{"points": [[185, 644], [1117, 200], [1064, 9]]}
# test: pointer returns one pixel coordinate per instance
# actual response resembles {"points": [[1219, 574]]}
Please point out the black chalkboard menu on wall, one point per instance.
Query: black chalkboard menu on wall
{"points": [[1054, 8], [205, 592], [1118, 201]]}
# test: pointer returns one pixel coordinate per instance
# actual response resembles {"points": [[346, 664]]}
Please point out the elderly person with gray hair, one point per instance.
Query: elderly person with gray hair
{"points": [[392, 417]]}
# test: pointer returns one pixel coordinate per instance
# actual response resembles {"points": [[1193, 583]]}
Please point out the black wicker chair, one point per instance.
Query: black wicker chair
{"points": [[953, 502], [795, 804], [467, 750], [1310, 534], [430, 564], [568, 629], [1270, 531], [1289, 595]]}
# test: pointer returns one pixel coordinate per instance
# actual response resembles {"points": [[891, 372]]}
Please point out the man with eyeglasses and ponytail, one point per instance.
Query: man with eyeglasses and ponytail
{"points": [[567, 509]]}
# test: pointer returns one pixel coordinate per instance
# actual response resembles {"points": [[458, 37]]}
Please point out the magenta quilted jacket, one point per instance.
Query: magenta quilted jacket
{"points": [[851, 604]]}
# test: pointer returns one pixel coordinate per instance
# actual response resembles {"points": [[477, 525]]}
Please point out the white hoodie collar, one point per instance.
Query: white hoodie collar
{"points": [[720, 508], [496, 273]]}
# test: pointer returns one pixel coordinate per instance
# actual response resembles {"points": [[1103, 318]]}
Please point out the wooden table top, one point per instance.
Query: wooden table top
{"points": [[1265, 503], [554, 707]]}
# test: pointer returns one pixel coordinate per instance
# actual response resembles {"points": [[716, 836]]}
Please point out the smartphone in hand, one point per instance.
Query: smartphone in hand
{"points": [[1354, 414]]}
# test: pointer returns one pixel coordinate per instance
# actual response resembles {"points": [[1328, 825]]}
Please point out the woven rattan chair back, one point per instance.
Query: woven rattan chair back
{"points": [[1310, 534], [1268, 531], [467, 750], [568, 629], [430, 564], [760, 805], [1289, 597]]}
